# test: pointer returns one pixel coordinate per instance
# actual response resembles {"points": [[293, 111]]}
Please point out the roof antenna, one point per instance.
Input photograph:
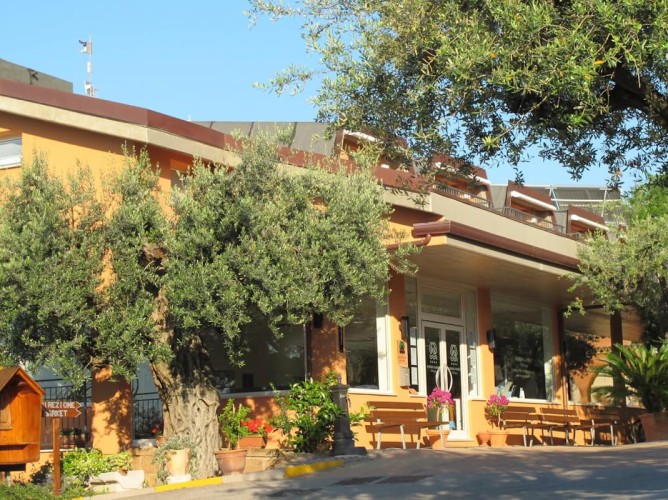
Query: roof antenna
{"points": [[87, 48]]}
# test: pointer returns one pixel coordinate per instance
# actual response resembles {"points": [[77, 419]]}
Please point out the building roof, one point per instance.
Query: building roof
{"points": [[304, 136], [18, 73], [8, 374], [594, 199]]}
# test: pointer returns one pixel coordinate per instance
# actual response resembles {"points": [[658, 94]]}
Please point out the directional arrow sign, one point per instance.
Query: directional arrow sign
{"points": [[61, 409]]}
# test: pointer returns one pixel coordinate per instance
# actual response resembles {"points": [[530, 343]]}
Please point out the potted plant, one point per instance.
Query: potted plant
{"points": [[640, 371], [494, 410], [232, 459], [157, 431], [258, 430], [80, 465], [175, 457], [440, 407]]}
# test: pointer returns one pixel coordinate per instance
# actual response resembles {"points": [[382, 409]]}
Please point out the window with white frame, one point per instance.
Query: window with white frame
{"points": [[10, 152], [366, 341]]}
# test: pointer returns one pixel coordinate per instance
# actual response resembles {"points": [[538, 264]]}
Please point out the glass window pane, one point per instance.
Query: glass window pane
{"points": [[362, 347], [269, 360], [441, 303], [10, 152], [522, 364]]}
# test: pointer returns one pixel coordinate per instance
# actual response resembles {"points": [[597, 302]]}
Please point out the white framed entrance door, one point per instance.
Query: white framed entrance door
{"points": [[444, 351]]}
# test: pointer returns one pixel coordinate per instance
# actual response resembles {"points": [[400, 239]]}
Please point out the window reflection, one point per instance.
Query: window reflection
{"points": [[522, 357], [268, 361]]}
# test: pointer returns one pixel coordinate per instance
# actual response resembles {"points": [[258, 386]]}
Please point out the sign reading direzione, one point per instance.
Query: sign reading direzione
{"points": [[61, 409]]}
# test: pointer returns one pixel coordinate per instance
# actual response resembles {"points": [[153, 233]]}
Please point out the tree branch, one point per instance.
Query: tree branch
{"points": [[631, 91]]}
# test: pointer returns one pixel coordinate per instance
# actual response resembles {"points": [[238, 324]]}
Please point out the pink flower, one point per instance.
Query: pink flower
{"points": [[439, 398], [496, 406]]}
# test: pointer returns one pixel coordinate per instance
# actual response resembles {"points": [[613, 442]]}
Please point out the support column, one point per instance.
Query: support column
{"points": [[616, 337], [111, 421]]}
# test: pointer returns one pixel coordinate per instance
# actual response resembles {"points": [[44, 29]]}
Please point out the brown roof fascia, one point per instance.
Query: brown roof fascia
{"points": [[402, 179], [116, 111], [573, 210], [545, 198], [7, 374], [491, 240]]}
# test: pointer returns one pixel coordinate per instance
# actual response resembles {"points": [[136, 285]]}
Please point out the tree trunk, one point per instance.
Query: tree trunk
{"points": [[190, 402]]}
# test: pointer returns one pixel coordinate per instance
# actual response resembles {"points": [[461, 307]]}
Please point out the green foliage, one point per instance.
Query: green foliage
{"points": [[258, 241], [81, 464], [172, 443], [312, 413], [230, 422], [86, 284], [27, 492], [51, 248], [55, 312], [582, 81], [629, 268], [641, 371]]}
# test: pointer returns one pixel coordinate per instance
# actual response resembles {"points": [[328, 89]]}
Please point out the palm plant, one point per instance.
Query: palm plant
{"points": [[640, 371]]}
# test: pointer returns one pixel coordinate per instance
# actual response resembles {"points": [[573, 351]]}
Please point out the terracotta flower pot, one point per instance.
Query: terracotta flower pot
{"points": [[655, 425], [178, 462], [483, 438], [250, 442], [231, 461], [433, 438], [497, 438]]}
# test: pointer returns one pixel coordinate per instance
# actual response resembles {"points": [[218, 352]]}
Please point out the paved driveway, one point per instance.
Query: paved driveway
{"points": [[634, 471]]}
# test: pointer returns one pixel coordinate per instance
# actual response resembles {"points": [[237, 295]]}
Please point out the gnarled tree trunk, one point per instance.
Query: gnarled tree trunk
{"points": [[190, 402], [189, 398]]}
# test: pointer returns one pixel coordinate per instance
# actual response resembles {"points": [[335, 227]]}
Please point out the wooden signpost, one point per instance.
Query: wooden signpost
{"points": [[57, 410], [61, 409]]}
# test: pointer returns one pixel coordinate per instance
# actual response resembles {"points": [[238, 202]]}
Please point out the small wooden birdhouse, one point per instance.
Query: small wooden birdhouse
{"points": [[20, 418]]}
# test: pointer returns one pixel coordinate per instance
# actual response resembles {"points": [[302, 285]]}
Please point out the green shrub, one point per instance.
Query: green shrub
{"points": [[312, 414], [81, 464], [641, 371], [25, 492]]}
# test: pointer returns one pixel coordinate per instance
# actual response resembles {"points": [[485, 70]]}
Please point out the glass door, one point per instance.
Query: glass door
{"points": [[443, 353]]}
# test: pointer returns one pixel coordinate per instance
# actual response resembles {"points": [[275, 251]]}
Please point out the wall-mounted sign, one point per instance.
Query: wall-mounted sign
{"points": [[402, 353]]}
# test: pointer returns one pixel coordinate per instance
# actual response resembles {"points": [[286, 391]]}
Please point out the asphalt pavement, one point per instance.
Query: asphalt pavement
{"points": [[631, 471]]}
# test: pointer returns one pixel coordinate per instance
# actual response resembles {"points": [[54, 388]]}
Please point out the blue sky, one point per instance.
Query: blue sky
{"points": [[193, 60]]}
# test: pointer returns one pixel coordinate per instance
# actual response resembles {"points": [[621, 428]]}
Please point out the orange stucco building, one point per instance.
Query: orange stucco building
{"points": [[483, 315]]}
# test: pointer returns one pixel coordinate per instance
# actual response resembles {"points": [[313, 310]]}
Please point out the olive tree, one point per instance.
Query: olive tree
{"points": [[86, 284]]}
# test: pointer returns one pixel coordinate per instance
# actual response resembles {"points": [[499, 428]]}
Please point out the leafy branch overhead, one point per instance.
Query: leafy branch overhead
{"points": [[583, 82]]}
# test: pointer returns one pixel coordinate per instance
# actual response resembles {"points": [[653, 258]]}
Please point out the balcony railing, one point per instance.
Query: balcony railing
{"points": [[451, 192], [531, 219]]}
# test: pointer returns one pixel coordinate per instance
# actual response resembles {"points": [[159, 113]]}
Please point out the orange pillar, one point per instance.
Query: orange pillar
{"points": [[111, 422]]}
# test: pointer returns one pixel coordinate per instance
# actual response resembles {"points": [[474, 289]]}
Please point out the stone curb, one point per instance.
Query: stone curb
{"points": [[287, 472]]}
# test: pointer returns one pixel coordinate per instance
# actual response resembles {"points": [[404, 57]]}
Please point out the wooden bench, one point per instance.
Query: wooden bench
{"points": [[402, 417], [607, 420], [521, 417], [564, 420]]}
